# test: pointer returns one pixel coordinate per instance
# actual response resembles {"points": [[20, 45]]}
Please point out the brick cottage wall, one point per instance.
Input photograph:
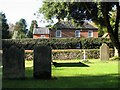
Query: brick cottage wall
{"points": [[71, 33], [39, 35]]}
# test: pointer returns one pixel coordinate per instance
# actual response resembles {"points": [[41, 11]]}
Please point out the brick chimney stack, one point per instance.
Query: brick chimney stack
{"points": [[34, 25]]}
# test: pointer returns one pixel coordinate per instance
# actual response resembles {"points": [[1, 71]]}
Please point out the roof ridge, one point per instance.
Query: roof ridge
{"points": [[70, 24]]}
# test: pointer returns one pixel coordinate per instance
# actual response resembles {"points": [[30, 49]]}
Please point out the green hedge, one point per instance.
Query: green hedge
{"points": [[29, 44], [94, 43], [68, 43]]}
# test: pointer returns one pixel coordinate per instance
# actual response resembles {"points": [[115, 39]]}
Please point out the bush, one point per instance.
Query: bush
{"points": [[29, 44], [94, 43], [66, 43]]}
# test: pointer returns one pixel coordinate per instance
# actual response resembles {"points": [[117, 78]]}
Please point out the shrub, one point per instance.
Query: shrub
{"points": [[29, 44], [94, 43], [61, 43]]}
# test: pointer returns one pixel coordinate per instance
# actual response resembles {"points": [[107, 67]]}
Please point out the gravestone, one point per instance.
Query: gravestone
{"points": [[104, 52], [13, 63], [42, 62]]}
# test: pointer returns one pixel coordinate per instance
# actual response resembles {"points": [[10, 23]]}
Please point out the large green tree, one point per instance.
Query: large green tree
{"points": [[98, 12], [20, 26], [101, 29], [30, 33], [4, 26]]}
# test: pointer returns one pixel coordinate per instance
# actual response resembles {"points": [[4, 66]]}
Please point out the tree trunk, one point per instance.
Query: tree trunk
{"points": [[113, 37]]}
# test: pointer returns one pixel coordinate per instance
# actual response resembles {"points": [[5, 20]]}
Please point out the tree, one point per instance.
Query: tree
{"points": [[48, 25], [30, 33], [101, 30], [11, 29], [112, 29], [20, 26], [5, 27], [98, 12]]}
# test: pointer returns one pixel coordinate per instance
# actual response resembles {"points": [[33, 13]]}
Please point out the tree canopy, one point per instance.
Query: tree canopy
{"points": [[98, 12], [30, 33], [5, 27], [20, 26]]}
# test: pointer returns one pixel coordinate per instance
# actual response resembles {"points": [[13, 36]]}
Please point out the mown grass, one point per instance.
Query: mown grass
{"points": [[69, 75]]}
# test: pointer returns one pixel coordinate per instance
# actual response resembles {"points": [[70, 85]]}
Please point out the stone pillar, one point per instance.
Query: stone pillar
{"points": [[42, 62], [13, 63], [104, 52]]}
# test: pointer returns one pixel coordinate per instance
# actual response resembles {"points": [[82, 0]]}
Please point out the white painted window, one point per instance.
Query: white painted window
{"points": [[42, 36], [77, 33], [90, 33], [58, 33]]}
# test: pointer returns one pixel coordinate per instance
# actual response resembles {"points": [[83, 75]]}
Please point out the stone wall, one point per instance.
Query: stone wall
{"points": [[71, 54]]}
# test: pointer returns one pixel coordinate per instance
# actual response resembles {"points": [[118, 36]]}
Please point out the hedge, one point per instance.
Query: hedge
{"points": [[61, 43], [94, 43]]}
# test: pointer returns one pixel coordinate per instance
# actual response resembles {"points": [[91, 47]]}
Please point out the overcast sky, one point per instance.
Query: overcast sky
{"points": [[17, 9]]}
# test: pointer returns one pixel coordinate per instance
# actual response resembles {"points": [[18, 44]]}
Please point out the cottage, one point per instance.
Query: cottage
{"points": [[41, 32], [66, 29]]}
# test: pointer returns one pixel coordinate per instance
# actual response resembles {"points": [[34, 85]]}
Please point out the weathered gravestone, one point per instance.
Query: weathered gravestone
{"points": [[13, 63], [104, 52], [42, 62]]}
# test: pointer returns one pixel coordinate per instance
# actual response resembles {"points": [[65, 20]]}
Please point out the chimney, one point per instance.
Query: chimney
{"points": [[34, 25]]}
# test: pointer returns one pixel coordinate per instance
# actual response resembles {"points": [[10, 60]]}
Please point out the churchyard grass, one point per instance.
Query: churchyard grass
{"points": [[71, 75]]}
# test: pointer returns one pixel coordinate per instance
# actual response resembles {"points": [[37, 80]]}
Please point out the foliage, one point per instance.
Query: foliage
{"points": [[31, 43], [51, 9], [20, 26], [98, 12], [94, 43], [63, 43], [30, 32], [5, 27], [101, 30], [48, 26], [15, 35]]}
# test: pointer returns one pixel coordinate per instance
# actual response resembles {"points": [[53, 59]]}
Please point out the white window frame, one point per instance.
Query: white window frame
{"points": [[89, 33], [78, 33], [42, 36], [60, 33]]}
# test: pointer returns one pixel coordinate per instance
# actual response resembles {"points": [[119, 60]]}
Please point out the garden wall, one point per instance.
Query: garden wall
{"points": [[71, 54]]}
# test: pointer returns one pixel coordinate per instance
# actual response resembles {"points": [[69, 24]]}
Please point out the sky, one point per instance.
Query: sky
{"points": [[17, 9]]}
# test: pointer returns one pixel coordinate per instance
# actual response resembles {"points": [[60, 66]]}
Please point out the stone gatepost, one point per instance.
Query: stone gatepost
{"points": [[13, 63], [104, 52], [42, 62]]}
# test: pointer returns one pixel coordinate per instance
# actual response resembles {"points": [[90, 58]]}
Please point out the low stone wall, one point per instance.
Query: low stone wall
{"points": [[71, 54]]}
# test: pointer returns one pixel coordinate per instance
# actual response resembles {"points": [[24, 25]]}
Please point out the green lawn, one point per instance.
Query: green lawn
{"points": [[71, 74]]}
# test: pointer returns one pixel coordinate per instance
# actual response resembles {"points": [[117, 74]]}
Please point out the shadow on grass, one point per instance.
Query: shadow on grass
{"points": [[77, 81], [79, 64]]}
